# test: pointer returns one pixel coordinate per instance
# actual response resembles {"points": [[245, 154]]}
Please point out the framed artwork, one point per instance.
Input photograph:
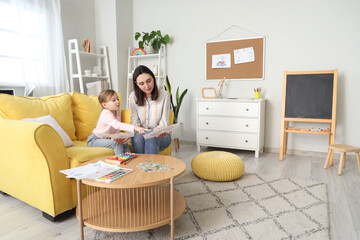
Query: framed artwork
{"points": [[208, 93]]}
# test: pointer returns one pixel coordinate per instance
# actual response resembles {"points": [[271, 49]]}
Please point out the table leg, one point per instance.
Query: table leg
{"points": [[172, 207], [78, 181]]}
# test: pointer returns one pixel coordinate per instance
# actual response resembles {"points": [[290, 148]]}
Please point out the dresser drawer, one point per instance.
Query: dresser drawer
{"points": [[228, 124], [235, 140], [229, 109]]}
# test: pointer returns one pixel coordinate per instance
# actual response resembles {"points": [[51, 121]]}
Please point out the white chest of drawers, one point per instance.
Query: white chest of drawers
{"points": [[231, 123]]}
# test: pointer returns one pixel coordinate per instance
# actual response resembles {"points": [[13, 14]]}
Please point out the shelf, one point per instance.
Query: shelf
{"points": [[161, 76], [128, 210], [84, 76], [89, 54], [75, 64], [308, 131], [155, 55]]}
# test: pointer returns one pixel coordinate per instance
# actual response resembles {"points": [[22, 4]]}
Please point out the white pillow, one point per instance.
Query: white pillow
{"points": [[55, 125]]}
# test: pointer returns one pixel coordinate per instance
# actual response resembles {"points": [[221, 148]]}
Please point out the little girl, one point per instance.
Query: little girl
{"points": [[109, 123]]}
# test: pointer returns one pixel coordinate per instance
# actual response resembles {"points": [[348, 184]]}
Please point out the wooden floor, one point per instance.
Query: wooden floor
{"points": [[21, 221]]}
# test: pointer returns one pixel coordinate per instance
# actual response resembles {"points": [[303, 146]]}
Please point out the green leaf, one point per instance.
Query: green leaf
{"points": [[168, 85], [177, 96], [152, 35], [182, 96], [167, 38], [141, 44], [156, 44], [137, 35]]}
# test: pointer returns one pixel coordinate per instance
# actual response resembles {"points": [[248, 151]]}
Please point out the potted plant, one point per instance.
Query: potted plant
{"points": [[179, 99], [153, 39]]}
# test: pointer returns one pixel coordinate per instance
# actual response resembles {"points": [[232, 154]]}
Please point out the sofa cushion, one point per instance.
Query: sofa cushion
{"points": [[48, 119], [80, 153], [86, 110], [58, 106]]}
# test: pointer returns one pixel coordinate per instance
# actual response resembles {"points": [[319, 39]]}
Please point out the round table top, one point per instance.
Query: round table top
{"points": [[139, 178]]}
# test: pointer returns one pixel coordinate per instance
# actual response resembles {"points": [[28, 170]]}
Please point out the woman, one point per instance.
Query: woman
{"points": [[149, 108]]}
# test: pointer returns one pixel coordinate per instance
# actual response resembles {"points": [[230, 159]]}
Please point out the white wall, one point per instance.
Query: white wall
{"points": [[114, 28], [105, 22], [78, 22], [301, 35]]}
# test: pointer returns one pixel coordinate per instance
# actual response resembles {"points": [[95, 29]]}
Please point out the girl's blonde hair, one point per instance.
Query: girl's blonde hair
{"points": [[105, 96]]}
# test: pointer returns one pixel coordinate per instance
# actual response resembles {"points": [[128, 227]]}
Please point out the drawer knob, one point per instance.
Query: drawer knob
{"points": [[246, 141], [247, 109], [206, 138], [207, 108], [207, 123], [247, 125]]}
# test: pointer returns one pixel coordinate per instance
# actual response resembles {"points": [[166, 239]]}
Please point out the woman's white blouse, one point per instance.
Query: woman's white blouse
{"points": [[153, 114]]}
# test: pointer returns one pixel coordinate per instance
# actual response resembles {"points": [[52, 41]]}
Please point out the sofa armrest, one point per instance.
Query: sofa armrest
{"points": [[31, 156]]}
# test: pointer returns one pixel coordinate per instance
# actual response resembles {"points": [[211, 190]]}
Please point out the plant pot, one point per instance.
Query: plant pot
{"points": [[149, 49], [178, 132]]}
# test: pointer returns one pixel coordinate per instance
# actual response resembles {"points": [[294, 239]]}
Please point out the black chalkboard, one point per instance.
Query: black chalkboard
{"points": [[309, 96]]}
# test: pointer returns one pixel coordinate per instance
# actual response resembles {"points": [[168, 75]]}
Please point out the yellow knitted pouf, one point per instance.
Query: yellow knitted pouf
{"points": [[218, 166]]}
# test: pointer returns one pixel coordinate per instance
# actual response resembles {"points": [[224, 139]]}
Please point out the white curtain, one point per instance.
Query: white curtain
{"points": [[42, 45]]}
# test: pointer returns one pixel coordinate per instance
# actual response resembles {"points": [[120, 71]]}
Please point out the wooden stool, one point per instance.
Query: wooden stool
{"points": [[343, 149]]}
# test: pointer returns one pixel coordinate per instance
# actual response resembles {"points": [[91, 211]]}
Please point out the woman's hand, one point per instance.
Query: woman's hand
{"points": [[121, 140], [141, 130]]}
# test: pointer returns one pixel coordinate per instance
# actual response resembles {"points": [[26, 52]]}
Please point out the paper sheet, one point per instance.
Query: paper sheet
{"points": [[119, 135], [90, 171], [221, 61], [161, 130], [244, 55]]}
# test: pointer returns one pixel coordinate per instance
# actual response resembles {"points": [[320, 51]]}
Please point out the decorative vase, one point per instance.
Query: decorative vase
{"points": [[177, 133], [149, 49]]}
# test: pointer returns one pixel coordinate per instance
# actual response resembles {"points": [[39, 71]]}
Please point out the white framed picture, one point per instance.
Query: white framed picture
{"points": [[208, 93]]}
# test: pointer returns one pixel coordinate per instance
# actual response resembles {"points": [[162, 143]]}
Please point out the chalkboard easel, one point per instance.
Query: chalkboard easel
{"points": [[308, 97]]}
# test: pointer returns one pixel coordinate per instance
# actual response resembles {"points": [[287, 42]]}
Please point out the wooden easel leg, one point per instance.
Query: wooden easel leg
{"points": [[282, 138], [327, 159], [285, 142], [342, 159], [358, 160]]}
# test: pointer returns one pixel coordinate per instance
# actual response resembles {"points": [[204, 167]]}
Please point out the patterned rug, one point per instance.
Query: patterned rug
{"points": [[252, 207]]}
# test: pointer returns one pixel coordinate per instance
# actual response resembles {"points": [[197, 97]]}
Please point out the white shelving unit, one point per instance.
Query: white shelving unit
{"points": [[150, 60], [102, 61]]}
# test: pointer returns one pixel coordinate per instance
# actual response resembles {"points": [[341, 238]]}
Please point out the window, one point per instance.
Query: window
{"points": [[22, 45]]}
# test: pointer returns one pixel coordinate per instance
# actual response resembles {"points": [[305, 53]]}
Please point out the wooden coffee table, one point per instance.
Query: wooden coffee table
{"points": [[135, 202]]}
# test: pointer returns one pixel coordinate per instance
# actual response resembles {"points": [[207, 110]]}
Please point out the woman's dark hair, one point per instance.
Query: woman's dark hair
{"points": [[140, 95]]}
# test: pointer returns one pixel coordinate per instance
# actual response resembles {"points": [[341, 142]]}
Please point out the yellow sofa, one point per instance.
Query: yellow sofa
{"points": [[31, 154]]}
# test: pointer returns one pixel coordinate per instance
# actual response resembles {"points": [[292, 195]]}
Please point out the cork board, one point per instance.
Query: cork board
{"points": [[243, 71]]}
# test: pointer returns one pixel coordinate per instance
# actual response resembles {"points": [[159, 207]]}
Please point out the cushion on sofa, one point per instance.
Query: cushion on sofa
{"points": [[80, 153], [58, 106], [86, 110], [48, 119]]}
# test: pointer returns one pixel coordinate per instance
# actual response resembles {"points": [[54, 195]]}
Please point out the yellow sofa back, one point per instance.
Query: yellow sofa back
{"points": [[58, 106], [76, 113]]}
